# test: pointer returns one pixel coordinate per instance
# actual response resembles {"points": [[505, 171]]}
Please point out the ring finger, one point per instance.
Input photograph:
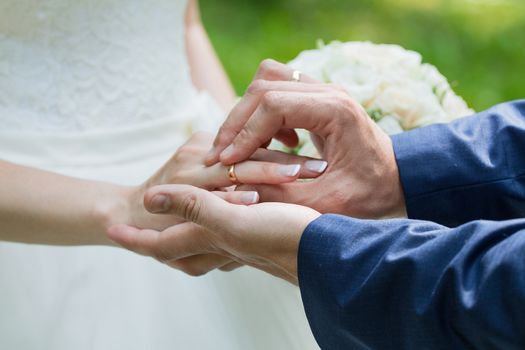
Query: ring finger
{"points": [[250, 172]]}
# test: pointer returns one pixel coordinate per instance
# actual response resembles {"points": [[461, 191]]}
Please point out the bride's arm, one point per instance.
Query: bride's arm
{"points": [[206, 70], [41, 207]]}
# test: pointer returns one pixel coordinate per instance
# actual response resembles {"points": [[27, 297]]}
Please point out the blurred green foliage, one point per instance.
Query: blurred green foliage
{"points": [[479, 45]]}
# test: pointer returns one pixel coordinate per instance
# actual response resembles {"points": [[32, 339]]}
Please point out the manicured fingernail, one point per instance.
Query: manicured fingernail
{"points": [[250, 198], [317, 166], [160, 203], [227, 152], [289, 170]]}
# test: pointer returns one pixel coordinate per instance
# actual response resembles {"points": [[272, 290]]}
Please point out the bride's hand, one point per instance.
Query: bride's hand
{"points": [[187, 166]]}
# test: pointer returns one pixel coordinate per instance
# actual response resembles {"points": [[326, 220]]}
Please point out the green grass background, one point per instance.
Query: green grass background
{"points": [[479, 45]]}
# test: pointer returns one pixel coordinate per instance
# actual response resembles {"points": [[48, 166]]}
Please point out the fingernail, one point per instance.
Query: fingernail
{"points": [[317, 166], [250, 198], [160, 203], [289, 170], [227, 152]]}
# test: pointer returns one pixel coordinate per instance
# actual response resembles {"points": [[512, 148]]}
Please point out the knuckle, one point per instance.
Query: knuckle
{"points": [[270, 101], [256, 86], [244, 135], [344, 99], [249, 135], [267, 65], [343, 109], [352, 110], [225, 135], [270, 69], [191, 208]]}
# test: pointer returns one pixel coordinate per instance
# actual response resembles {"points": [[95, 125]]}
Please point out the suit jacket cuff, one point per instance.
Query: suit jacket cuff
{"points": [[327, 237]]}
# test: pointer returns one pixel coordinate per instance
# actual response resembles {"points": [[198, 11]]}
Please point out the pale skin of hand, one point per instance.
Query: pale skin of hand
{"points": [[265, 236], [46, 208], [362, 178]]}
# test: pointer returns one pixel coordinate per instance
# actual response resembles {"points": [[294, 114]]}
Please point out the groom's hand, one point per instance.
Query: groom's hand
{"points": [[268, 71], [265, 236], [362, 178]]}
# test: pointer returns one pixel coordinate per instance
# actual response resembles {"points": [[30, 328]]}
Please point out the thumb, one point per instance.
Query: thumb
{"points": [[192, 204]]}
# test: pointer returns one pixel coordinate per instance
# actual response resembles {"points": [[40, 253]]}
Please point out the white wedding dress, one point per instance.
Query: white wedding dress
{"points": [[100, 89]]}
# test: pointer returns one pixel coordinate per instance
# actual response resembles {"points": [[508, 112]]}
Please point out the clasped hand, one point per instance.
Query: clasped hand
{"points": [[361, 180]]}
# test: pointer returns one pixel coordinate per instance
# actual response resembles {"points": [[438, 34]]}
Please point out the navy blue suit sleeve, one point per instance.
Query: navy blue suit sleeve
{"points": [[406, 284], [470, 169]]}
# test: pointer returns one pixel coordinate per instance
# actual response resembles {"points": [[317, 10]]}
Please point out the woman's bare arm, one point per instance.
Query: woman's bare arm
{"points": [[41, 207], [207, 71]]}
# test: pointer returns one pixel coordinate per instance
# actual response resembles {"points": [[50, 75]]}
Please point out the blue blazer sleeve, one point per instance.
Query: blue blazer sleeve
{"points": [[472, 168], [405, 284]]}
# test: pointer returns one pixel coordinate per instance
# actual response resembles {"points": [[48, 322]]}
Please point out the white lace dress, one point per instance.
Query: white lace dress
{"points": [[100, 89]]}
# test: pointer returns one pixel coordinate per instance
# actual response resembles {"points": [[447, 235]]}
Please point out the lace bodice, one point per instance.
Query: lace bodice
{"points": [[91, 64]]}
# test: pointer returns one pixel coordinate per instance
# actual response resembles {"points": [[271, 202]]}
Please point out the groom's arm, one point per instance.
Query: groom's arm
{"points": [[473, 168], [404, 284]]}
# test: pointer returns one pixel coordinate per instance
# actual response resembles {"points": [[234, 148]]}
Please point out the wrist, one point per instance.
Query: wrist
{"points": [[286, 255], [389, 196], [275, 247], [395, 196], [134, 213], [114, 207]]}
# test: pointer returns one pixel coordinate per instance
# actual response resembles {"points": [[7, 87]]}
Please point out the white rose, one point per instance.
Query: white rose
{"points": [[430, 74], [388, 80], [381, 55], [311, 62], [415, 104], [359, 80]]}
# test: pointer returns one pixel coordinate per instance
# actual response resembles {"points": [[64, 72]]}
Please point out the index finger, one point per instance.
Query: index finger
{"points": [[268, 71], [310, 111]]}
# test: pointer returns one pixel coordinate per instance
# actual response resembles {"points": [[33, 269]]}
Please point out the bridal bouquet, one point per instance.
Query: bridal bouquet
{"points": [[398, 91]]}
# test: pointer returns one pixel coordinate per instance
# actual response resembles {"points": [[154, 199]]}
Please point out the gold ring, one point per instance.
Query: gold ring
{"points": [[296, 76], [232, 176]]}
